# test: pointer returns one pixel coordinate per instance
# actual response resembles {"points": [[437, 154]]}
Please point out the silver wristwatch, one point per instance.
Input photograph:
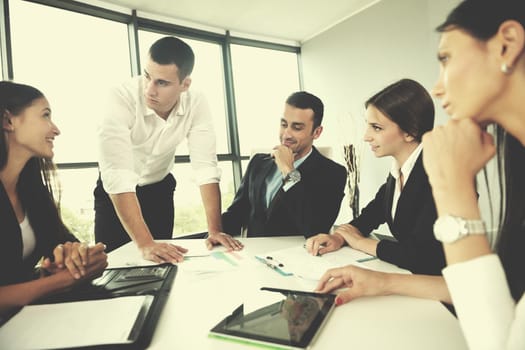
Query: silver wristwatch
{"points": [[449, 228], [294, 176]]}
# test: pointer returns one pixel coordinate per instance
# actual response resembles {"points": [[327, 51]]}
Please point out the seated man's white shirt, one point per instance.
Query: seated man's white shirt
{"points": [[137, 147]]}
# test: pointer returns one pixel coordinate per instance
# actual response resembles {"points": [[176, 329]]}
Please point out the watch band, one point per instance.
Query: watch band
{"points": [[450, 228], [475, 226]]}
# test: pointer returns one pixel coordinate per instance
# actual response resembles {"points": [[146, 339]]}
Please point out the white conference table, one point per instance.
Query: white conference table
{"points": [[198, 301]]}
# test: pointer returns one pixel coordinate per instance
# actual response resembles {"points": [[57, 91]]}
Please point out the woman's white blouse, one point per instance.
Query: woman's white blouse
{"points": [[28, 238], [489, 316]]}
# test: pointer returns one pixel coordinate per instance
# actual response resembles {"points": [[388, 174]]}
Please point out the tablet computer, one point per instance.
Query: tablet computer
{"points": [[291, 321]]}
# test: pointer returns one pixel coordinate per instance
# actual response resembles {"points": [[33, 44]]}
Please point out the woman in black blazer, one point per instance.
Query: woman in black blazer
{"points": [[30, 226], [397, 118]]}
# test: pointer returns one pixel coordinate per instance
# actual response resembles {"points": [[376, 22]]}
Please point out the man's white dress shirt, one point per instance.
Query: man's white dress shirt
{"points": [[137, 147]]}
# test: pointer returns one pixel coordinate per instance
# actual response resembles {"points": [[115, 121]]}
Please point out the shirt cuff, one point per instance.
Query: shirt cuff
{"points": [[482, 273], [289, 184], [482, 299], [207, 176], [119, 181]]}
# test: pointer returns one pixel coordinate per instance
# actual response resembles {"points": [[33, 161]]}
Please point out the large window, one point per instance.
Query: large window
{"points": [[61, 53], [75, 57], [263, 79]]}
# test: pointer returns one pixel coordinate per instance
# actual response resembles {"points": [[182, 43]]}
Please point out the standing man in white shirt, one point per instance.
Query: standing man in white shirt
{"points": [[146, 118]]}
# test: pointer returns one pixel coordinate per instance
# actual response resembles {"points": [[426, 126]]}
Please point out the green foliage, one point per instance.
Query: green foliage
{"points": [[188, 219], [81, 226], [192, 219]]}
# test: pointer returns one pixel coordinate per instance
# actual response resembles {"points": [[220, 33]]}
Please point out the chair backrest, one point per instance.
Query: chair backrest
{"points": [[325, 151]]}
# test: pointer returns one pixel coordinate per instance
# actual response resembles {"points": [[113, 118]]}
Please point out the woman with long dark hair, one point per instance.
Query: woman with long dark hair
{"points": [[31, 229]]}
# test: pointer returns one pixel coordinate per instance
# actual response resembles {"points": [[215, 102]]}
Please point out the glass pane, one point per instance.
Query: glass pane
{"points": [[263, 79], [207, 77], [62, 54], [77, 201], [189, 211], [244, 165]]}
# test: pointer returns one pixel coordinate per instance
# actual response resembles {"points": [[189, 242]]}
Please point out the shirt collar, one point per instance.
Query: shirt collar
{"points": [[300, 161], [408, 165]]}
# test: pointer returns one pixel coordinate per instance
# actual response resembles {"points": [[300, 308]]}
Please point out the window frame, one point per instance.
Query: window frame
{"points": [[134, 24]]}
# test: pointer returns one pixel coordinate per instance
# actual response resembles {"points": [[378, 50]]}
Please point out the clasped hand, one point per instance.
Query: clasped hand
{"points": [[80, 259]]}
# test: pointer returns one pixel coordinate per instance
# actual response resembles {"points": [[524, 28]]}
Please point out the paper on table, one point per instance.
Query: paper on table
{"points": [[215, 261], [74, 324], [132, 256], [301, 264]]}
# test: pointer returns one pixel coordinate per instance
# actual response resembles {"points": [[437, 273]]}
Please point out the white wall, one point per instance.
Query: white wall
{"points": [[347, 64]]}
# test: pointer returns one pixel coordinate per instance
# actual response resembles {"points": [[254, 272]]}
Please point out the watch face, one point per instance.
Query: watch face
{"points": [[450, 228], [294, 176], [447, 229]]}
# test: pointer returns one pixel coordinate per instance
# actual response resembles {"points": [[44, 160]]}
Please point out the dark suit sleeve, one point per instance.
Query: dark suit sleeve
{"points": [[373, 214], [421, 253], [314, 202], [236, 216]]}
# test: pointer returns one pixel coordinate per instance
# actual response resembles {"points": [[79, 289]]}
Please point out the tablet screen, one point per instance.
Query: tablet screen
{"points": [[292, 320]]}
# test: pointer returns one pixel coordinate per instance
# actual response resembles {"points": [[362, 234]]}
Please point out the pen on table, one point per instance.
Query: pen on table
{"points": [[322, 245], [367, 259]]}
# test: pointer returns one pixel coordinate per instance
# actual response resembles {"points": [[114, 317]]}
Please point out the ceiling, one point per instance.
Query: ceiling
{"points": [[289, 20]]}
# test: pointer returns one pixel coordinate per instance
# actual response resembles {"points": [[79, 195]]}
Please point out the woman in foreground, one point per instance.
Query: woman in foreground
{"points": [[482, 82], [31, 230]]}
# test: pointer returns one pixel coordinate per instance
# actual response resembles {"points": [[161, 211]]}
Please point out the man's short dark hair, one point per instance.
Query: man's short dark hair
{"points": [[305, 100], [171, 50]]}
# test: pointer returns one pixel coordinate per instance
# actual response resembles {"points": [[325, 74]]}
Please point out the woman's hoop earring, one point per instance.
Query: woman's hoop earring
{"points": [[505, 69]]}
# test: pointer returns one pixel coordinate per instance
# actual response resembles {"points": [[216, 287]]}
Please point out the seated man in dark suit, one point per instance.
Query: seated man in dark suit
{"points": [[294, 190]]}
